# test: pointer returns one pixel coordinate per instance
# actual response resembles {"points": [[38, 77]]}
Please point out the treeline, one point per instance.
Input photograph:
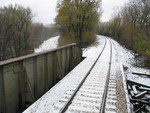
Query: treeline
{"points": [[18, 34], [77, 21], [131, 27], [42, 33]]}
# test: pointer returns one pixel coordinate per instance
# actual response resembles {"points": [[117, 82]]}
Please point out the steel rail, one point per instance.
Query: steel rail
{"points": [[65, 107], [103, 103]]}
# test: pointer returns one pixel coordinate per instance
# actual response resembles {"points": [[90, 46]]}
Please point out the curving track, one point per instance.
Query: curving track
{"points": [[95, 93]]}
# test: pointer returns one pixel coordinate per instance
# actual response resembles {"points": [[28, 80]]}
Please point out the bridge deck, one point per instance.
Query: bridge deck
{"points": [[89, 97]]}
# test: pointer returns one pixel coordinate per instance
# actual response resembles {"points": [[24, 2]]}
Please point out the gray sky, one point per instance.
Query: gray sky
{"points": [[45, 10], [108, 7]]}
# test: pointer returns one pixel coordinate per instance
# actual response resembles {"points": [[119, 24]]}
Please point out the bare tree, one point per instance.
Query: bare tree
{"points": [[14, 31]]}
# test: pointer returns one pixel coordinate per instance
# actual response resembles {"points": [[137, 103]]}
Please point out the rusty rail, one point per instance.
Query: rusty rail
{"points": [[34, 54]]}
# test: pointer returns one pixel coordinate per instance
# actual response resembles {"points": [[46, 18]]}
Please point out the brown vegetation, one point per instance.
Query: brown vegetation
{"points": [[77, 20], [18, 34], [131, 27]]}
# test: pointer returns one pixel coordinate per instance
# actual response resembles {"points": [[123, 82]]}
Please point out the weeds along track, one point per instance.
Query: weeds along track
{"points": [[95, 90]]}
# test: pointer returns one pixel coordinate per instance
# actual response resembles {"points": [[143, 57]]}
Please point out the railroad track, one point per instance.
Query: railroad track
{"points": [[95, 93]]}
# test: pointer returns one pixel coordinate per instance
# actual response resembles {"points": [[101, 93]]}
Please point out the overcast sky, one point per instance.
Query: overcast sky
{"points": [[45, 10]]}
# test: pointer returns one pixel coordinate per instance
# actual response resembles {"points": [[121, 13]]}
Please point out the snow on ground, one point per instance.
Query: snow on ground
{"points": [[92, 50], [47, 101], [48, 44], [126, 57]]}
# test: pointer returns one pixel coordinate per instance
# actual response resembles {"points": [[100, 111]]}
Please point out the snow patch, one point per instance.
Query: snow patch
{"points": [[47, 101], [127, 58], [48, 44]]}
